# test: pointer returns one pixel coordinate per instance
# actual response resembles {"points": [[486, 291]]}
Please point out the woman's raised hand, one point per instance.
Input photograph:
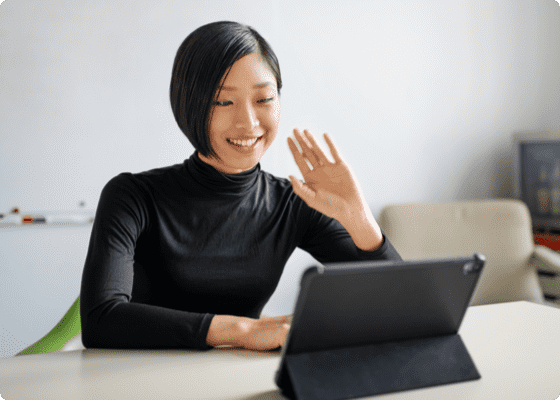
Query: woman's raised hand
{"points": [[331, 188]]}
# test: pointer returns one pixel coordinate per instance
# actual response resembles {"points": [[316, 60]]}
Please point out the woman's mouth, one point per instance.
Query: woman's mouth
{"points": [[244, 143]]}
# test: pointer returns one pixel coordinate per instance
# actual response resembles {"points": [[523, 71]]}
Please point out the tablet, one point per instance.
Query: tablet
{"points": [[342, 305]]}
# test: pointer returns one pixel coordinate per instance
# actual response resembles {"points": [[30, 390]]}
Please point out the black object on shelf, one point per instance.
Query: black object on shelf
{"points": [[550, 297]]}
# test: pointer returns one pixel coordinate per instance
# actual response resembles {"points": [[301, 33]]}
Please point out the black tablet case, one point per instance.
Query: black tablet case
{"points": [[367, 328]]}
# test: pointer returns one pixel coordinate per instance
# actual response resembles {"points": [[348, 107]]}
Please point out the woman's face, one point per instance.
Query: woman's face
{"points": [[245, 116]]}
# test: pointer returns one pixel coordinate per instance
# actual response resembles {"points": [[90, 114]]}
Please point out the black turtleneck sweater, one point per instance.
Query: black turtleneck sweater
{"points": [[172, 247]]}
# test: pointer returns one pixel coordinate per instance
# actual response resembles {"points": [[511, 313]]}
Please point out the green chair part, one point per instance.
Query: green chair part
{"points": [[69, 326]]}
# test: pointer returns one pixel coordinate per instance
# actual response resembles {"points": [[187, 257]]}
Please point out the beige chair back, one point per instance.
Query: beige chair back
{"points": [[499, 229]]}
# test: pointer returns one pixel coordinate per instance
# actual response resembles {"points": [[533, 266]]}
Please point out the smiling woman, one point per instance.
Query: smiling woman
{"points": [[187, 256], [201, 72]]}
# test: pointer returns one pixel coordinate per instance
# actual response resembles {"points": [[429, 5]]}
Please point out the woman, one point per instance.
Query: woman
{"points": [[187, 256]]}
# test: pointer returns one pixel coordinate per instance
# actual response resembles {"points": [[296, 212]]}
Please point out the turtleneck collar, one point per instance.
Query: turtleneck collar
{"points": [[218, 182]]}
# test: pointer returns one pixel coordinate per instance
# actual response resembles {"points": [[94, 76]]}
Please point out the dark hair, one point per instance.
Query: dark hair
{"points": [[204, 57]]}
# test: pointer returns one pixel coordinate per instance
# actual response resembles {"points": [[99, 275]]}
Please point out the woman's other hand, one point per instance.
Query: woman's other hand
{"points": [[331, 188], [265, 333], [253, 334]]}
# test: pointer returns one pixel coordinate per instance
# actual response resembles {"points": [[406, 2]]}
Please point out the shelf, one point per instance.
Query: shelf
{"points": [[9, 226], [48, 219]]}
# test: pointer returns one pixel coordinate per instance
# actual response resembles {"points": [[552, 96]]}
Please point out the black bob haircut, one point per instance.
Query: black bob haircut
{"points": [[202, 60]]}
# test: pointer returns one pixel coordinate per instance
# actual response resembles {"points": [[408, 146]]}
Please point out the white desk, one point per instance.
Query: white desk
{"points": [[515, 346]]}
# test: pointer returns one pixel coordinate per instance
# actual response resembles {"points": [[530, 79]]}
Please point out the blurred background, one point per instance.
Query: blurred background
{"points": [[421, 97]]}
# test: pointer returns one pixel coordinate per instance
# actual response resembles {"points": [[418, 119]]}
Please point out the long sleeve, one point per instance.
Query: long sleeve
{"points": [[109, 318]]}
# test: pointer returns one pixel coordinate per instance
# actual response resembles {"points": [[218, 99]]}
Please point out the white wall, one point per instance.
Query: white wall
{"points": [[422, 97]]}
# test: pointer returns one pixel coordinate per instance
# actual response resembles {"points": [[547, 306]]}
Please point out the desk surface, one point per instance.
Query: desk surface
{"points": [[515, 346]]}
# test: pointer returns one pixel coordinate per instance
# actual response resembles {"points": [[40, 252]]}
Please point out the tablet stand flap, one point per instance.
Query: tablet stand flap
{"points": [[379, 368]]}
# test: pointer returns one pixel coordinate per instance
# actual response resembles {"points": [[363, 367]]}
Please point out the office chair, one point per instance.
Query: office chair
{"points": [[500, 229], [68, 328]]}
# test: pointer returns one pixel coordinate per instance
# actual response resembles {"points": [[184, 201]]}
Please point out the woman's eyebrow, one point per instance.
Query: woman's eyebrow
{"points": [[257, 86]]}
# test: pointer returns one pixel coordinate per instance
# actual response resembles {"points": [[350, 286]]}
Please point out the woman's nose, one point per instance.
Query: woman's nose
{"points": [[246, 118]]}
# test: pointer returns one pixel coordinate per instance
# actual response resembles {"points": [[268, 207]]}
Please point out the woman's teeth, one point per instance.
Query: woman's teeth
{"points": [[244, 143]]}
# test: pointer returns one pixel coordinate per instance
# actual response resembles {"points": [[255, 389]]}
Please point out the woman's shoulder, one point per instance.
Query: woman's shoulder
{"points": [[151, 176], [139, 184]]}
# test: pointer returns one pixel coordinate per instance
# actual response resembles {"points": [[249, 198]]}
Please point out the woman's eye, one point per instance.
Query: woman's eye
{"points": [[228, 103], [222, 103]]}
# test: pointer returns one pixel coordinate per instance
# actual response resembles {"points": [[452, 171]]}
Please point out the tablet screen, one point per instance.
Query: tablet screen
{"points": [[352, 304]]}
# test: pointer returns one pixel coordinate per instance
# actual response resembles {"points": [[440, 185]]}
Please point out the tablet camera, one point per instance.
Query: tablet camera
{"points": [[471, 267]]}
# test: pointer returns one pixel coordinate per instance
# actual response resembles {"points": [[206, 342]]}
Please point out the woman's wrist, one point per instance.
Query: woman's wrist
{"points": [[364, 230], [227, 330]]}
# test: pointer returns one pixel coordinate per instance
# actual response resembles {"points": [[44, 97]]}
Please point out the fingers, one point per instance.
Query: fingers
{"points": [[336, 156], [303, 191], [311, 150], [283, 318], [308, 151], [298, 157], [316, 148], [286, 319], [267, 333]]}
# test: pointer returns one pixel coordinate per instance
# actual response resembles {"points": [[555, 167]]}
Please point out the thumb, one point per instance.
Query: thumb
{"points": [[302, 190]]}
